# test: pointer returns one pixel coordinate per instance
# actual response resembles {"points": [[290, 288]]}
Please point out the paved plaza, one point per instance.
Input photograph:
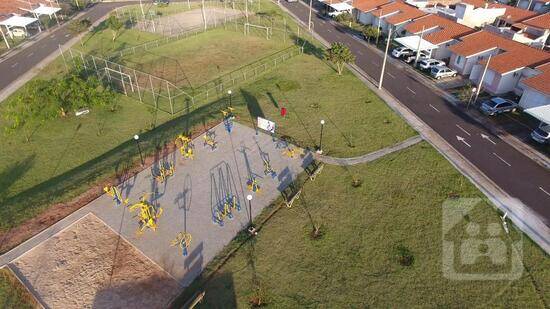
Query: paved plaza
{"points": [[189, 199]]}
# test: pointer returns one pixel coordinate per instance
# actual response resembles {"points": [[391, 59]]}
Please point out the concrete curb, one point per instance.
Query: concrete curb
{"points": [[518, 213]]}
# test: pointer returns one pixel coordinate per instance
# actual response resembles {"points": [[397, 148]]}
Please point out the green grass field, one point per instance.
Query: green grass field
{"points": [[12, 293], [354, 264], [198, 59]]}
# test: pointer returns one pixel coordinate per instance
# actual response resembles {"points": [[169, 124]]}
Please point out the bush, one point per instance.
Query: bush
{"points": [[79, 25], [404, 255], [343, 18]]}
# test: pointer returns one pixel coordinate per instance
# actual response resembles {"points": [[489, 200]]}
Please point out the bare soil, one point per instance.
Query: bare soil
{"points": [[88, 265]]}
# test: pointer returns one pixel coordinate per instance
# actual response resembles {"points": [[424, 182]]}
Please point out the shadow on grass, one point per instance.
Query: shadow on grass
{"points": [[29, 203], [252, 104], [10, 175]]}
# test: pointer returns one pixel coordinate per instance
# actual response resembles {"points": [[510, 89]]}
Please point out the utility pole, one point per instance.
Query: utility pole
{"points": [[482, 78], [385, 59], [203, 16], [309, 18], [246, 10], [379, 21], [141, 6], [418, 48]]}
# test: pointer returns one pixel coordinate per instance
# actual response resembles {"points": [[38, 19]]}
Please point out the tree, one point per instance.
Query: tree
{"points": [[79, 25], [370, 32], [115, 25], [339, 54], [465, 93], [30, 109]]}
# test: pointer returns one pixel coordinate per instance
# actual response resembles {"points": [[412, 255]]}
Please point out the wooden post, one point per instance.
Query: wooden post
{"points": [[170, 99], [137, 86], [153, 92]]}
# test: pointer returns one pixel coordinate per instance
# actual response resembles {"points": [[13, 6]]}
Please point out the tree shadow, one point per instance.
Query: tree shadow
{"points": [[270, 96], [14, 172], [252, 104]]}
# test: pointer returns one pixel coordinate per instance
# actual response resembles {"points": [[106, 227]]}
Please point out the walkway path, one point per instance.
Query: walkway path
{"points": [[369, 156]]}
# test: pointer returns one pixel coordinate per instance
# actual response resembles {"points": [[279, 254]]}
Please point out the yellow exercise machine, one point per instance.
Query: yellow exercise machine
{"points": [[225, 210], [148, 214], [289, 152], [268, 170], [228, 118], [186, 148], [113, 192], [253, 184], [166, 170], [210, 140], [183, 240]]}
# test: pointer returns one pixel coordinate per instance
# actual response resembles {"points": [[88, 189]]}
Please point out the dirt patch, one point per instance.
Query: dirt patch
{"points": [[12, 238], [89, 265], [180, 22]]}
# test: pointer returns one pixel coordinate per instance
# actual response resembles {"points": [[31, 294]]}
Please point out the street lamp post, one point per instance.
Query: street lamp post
{"points": [[320, 150], [249, 198], [229, 92], [136, 138], [471, 97]]}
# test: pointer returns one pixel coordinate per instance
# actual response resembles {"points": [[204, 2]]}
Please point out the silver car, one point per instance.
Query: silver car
{"points": [[442, 71], [497, 105], [541, 134], [428, 64]]}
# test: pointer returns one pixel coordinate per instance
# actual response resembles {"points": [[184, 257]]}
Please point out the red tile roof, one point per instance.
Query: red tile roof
{"points": [[513, 55], [541, 21], [399, 12], [446, 29], [540, 82], [368, 5], [512, 13], [14, 6]]}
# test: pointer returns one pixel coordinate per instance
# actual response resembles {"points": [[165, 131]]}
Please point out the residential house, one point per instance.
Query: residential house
{"points": [[536, 89], [510, 61], [439, 31], [395, 15], [534, 31], [363, 8]]}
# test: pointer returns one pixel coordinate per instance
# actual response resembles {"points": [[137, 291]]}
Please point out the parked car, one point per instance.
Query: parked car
{"points": [[428, 64], [17, 33], [541, 134], [442, 71], [409, 58], [161, 2], [497, 105], [291, 0], [401, 51], [336, 13]]}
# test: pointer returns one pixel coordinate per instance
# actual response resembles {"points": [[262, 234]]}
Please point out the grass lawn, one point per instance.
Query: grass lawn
{"points": [[198, 59], [12, 293], [356, 120], [355, 261]]}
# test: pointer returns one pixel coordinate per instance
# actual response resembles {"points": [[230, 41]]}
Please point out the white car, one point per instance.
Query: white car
{"points": [[409, 58], [541, 134], [442, 72], [428, 64], [17, 33], [400, 51]]}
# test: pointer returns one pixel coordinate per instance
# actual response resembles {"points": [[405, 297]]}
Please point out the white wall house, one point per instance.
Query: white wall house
{"points": [[536, 88], [471, 16]]}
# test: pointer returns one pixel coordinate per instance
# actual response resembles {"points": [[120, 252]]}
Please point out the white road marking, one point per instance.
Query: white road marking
{"points": [[391, 75], [501, 159], [375, 63], [545, 192], [30, 55], [409, 89], [487, 138], [14, 65], [434, 108], [462, 129], [329, 30], [360, 53], [460, 138], [67, 35]]}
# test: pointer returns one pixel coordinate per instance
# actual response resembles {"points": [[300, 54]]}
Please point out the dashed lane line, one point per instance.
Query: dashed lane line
{"points": [[462, 129], [391, 75], [435, 108], [501, 159], [545, 192], [410, 89]]}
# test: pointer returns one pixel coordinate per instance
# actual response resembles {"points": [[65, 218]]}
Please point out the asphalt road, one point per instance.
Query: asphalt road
{"points": [[12, 68], [515, 173]]}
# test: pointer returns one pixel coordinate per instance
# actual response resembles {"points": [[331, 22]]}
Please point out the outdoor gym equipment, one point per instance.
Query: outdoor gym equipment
{"points": [[166, 170], [210, 140], [268, 170], [253, 184], [228, 118], [226, 209], [186, 148], [113, 192], [289, 152], [183, 240], [148, 214]]}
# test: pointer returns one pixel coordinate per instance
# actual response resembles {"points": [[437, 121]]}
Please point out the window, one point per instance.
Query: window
{"points": [[458, 60]]}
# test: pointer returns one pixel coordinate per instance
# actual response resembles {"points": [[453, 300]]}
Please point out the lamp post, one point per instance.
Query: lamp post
{"points": [[249, 198], [229, 92], [136, 138], [474, 89], [320, 150]]}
